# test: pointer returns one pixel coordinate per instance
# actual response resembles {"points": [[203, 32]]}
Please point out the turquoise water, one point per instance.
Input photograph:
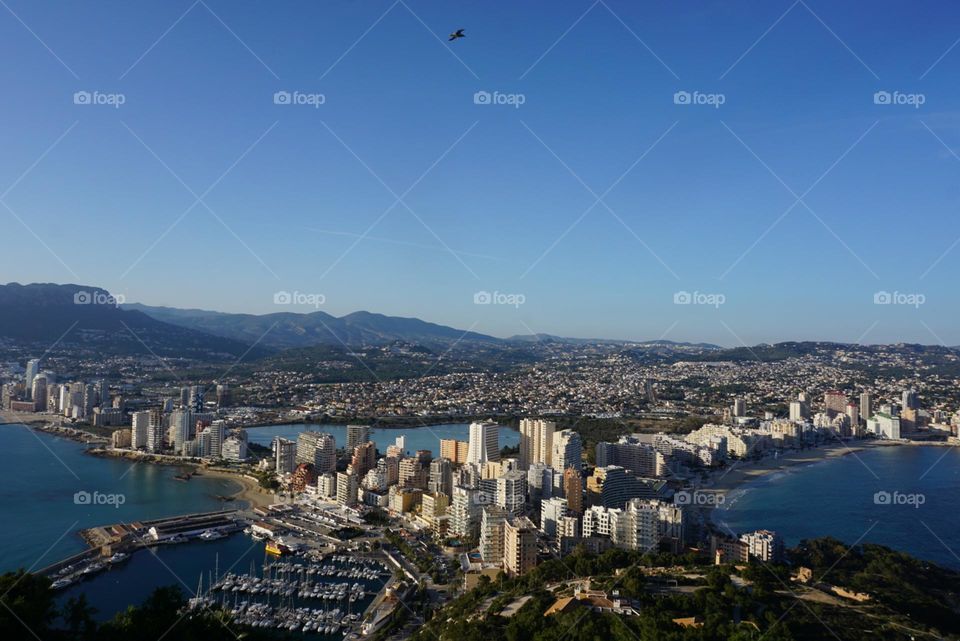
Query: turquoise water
{"points": [[838, 497], [418, 438], [42, 473]]}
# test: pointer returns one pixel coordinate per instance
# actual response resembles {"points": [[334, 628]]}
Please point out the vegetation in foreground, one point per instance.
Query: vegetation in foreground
{"points": [[908, 599]]}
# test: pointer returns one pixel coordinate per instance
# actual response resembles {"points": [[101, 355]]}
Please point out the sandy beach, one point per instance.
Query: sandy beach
{"points": [[251, 494], [743, 472]]}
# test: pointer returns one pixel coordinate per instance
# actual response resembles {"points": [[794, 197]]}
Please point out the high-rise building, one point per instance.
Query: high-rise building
{"points": [[197, 394], [39, 393], [910, 399], [91, 397], [284, 455], [357, 435], [464, 512], [454, 450], [32, 369], [327, 485], [640, 458], [866, 406], [853, 415], [411, 474], [235, 447], [155, 431], [573, 490], [739, 407], [491, 534], [799, 411], [765, 545], [519, 546], [140, 429], [347, 487], [536, 441], [512, 492], [319, 449], [884, 425], [540, 482], [180, 423], [645, 524], [224, 398], [364, 458], [551, 512], [613, 486], [834, 402], [484, 442], [217, 431], [567, 450], [441, 477]]}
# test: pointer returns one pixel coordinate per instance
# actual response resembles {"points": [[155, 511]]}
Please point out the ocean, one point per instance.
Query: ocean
{"points": [[902, 497], [43, 475]]}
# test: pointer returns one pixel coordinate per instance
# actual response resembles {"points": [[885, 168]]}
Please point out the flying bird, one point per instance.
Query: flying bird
{"points": [[457, 34]]}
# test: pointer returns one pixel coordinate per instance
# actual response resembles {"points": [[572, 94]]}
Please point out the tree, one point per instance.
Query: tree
{"points": [[77, 614]]}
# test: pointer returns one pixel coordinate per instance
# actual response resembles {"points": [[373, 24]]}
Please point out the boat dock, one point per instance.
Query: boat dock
{"points": [[105, 541]]}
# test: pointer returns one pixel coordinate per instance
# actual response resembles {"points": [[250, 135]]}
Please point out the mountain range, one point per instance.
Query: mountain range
{"points": [[52, 314], [48, 312]]}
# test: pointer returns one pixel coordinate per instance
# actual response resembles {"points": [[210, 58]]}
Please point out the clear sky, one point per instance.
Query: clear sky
{"points": [[792, 203]]}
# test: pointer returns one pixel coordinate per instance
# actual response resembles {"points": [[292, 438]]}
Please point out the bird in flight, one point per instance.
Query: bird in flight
{"points": [[457, 34]]}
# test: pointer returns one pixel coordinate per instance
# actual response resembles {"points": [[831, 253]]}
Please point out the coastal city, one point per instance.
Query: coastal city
{"points": [[419, 320], [446, 514]]}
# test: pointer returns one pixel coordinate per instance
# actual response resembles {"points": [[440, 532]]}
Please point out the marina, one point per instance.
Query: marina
{"points": [[327, 595]]}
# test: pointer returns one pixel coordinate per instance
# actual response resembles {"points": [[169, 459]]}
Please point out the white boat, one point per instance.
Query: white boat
{"points": [[119, 557], [212, 535]]}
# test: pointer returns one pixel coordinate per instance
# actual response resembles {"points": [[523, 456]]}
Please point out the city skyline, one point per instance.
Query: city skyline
{"points": [[784, 164]]}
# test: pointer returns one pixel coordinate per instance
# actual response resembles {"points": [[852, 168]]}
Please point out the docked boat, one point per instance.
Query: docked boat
{"points": [[277, 548], [59, 584], [119, 557], [211, 535]]}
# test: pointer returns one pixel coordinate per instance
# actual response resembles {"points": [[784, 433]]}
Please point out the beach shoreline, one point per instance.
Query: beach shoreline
{"points": [[248, 493], [741, 473]]}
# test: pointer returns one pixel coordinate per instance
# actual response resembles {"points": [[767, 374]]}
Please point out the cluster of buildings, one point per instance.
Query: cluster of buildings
{"points": [[512, 510], [39, 391], [183, 426]]}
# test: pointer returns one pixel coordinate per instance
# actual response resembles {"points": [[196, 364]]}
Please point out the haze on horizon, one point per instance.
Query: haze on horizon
{"points": [[699, 172]]}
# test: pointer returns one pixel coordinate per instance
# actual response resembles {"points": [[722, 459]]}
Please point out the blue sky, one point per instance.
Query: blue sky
{"points": [[495, 197]]}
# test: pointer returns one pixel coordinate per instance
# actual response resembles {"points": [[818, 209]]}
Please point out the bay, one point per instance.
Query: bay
{"points": [[902, 497]]}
